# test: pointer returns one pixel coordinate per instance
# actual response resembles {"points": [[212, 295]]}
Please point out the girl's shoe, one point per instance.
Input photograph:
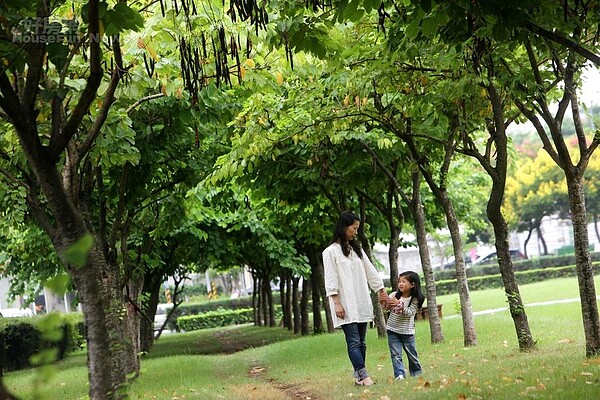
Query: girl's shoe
{"points": [[400, 377], [365, 382]]}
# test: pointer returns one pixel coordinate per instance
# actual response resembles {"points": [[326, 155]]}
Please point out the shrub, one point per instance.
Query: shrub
{"points": [[522, 277], [21, 338], [213, 319]]}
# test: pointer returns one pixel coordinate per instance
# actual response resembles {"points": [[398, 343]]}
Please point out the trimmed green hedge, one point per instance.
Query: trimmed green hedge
{"points": [[518, 265], [213, 319], [523, 277], [20, 338]]}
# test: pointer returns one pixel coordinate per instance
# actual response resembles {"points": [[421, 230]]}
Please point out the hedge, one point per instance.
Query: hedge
{"points": [[213, 319], [518, 265], [21, 338], [523, 277]]}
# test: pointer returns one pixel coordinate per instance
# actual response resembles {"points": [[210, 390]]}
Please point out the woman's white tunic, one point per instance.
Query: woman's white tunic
{"points": [[350, 278]]}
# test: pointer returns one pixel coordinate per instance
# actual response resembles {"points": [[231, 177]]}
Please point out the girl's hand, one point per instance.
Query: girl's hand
{"points": [[393, 301]]}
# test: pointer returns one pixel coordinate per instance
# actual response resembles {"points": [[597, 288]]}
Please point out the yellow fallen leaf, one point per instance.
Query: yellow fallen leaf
{"points": [[566, 340]]}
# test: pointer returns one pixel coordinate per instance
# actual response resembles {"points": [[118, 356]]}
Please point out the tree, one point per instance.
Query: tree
{"points": [[57, 97]]}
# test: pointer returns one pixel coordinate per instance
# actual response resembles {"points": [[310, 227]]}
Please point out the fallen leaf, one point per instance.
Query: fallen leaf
{"points": [[566, 340]]}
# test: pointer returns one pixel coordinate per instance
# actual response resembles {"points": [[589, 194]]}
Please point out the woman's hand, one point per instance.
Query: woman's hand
{"points": [[339, 308], [339, 311], [383, 298]]}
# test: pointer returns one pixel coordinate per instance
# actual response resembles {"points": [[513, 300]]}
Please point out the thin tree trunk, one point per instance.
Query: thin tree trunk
{"points": [[441, 194], [316, 303], [585, 272], [418, 212], [318, 279], [151, 289], [378, 317], [134, 318], [470, 337], [288, 300], [494, 213], [526, 241], [541, 239], [305, 322], [296, 303]]}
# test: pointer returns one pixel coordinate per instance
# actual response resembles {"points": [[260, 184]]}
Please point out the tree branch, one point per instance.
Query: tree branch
{"points": [[564, 41], [59, 141], [144, 99]]}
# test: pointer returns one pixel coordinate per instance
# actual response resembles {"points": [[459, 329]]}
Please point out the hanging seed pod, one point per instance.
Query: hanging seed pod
{"points": [[204, 53]]}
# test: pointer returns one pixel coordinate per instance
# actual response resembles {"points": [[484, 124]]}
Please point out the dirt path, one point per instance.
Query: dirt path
{"points": [[231, 345], [291, 391]]}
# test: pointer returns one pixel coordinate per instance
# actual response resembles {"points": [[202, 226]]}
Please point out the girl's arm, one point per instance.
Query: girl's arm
{"points": [[412, 308]]}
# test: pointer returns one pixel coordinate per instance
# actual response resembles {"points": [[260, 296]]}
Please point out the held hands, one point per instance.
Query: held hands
{"points": [[383, 299]]}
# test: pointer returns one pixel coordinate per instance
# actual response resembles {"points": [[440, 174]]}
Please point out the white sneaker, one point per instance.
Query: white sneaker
{"points": [[399, 377]]}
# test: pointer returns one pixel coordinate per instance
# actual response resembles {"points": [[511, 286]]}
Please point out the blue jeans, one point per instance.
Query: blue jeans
{"points": [[398, 342], [356, 333]]}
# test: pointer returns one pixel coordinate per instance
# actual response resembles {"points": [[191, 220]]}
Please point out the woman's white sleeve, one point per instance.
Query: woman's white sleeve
{"points": [[373, 277], [331, 273]]}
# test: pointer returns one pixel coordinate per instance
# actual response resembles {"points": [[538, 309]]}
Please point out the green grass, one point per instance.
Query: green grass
{"points": [[317, 366]]}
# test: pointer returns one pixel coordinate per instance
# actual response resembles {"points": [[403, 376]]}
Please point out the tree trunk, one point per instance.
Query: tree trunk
{"points": [[441, 194], [288, 300], [256, 299], [435, 326], [511, 288], [378, 317], [316, 304], [296, 303], [470, 337], [306, 285], [133, 327], [395, 230], [494, 213], [541, 239], [105, 383], [526, 241], [585, 272], [151, 289]]}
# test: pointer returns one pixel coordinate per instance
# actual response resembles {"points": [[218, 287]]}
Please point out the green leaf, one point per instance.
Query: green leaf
{"points": [[58, 284], [57, 54], [77, 253]]}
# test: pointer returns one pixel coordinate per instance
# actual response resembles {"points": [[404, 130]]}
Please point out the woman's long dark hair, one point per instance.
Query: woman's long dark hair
{"points": [[415, 291], [346, 219]]}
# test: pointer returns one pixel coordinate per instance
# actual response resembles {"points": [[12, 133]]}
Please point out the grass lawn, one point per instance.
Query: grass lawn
{"points": [[317, 367]]}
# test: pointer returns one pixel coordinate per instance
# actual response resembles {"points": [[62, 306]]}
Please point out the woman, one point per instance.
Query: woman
{"points": [[348, 275]]}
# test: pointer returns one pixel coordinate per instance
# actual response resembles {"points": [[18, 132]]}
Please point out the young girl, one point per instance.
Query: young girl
{"points": [[404, 304]]}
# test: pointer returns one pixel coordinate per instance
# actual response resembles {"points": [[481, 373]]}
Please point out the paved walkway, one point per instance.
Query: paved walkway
{"points": [[540, 303]]}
